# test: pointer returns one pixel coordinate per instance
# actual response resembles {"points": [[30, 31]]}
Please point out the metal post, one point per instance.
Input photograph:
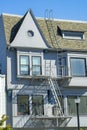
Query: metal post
{"points": [[78, 122], [77, 101]]}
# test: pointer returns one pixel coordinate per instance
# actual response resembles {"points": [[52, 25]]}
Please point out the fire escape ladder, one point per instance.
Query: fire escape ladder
{"points": [[57, 94], [51, 28]]}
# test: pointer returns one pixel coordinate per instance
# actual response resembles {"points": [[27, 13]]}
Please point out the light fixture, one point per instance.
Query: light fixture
{"points": [[77, 100]]}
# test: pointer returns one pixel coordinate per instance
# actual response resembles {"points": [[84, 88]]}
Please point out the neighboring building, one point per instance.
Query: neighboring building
{"points": [[45, 63], [2, 97]]}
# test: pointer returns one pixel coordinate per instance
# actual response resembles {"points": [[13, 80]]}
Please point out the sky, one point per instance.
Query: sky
{"points": [[60, 9]]}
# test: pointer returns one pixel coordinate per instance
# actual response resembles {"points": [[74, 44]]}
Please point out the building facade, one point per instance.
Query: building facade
{"points": [[45, 63]]}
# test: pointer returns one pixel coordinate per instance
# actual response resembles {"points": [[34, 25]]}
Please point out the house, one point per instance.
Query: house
{"points": [[45, 63]]}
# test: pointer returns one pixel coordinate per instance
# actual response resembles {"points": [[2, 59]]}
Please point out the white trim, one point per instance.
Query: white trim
{"points": [[63, 20]]}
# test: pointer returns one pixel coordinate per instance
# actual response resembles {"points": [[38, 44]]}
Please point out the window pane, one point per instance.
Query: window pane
{"points": [[24, 65], [73, 35], [24, 60], [83, 105], [24, 69], [36, 60], [37, 105], [36, 70], [36, 65], [71, 105], [78, 67], [23, 105]]}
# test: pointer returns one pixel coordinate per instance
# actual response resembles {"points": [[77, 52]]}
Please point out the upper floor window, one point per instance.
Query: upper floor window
{"points": [[29, 65], [36, 65], [78, 66], [73, 35], [24, 65]]}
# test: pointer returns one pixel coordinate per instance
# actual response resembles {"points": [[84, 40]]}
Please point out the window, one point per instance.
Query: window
{"points": [[73, 35], [78, 66], [30, 33], [72, 105], [62, 70], [29, 65], [37, 105], [24, 65], [23, 105], [36, 65]]}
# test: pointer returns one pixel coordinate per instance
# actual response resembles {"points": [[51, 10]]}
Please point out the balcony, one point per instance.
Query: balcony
{"points": [[54, 72]]}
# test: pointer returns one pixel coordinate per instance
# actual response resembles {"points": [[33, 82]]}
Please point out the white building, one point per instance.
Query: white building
{"points": [[2, 97], [45, 63]]}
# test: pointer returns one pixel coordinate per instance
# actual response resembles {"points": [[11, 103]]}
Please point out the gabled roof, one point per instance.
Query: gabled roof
{"points": [[13, 23]]}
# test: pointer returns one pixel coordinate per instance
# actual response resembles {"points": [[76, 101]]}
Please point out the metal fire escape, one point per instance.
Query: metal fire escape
{"points": [[55, 88], [52, 81]]}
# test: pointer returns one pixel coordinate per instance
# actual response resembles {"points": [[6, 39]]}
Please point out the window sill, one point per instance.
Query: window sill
{"points": [[31, 76]]}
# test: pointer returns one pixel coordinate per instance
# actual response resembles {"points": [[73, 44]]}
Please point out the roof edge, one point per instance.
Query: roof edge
{"points": [[12, 15], [42, 18]]}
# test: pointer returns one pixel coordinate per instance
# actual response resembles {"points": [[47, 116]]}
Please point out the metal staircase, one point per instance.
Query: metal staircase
{"points": [[53, 82], [57, 95], [61, 69]]}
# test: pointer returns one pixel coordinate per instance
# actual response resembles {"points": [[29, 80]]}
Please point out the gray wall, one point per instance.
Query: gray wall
{"points": [[2, 48]]}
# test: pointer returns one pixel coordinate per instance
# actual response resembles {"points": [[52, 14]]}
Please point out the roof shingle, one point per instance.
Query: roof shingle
{"points": [[13, 23]]}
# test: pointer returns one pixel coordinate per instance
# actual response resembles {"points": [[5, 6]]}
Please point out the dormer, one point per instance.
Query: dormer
{"points": [[74, 35]]}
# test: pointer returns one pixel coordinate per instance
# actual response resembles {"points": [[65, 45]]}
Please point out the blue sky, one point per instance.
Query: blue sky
{"points": [[62, 9]]}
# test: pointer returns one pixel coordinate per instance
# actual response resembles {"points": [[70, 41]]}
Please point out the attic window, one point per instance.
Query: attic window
{"points": [[73, 35], [30, 33]]}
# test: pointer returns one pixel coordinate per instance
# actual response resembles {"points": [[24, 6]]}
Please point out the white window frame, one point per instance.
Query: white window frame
{"points": [[73, 35], [19, 53]]}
